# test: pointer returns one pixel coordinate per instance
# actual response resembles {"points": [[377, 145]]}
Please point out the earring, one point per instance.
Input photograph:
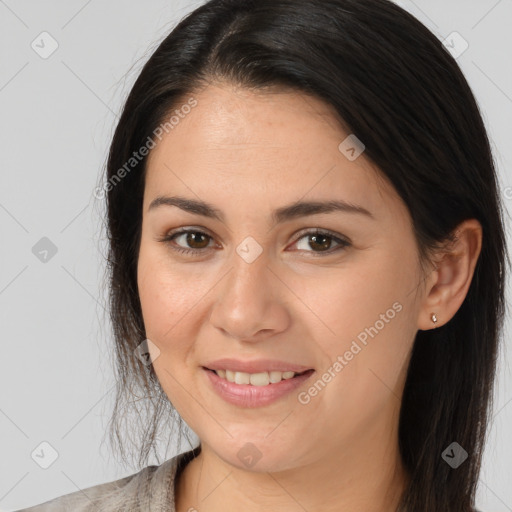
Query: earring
{"points": [[434, 318]]}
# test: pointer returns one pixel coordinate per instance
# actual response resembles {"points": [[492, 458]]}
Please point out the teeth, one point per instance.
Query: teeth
{"points": [[242, 378], [259, 379], [256, 379]]}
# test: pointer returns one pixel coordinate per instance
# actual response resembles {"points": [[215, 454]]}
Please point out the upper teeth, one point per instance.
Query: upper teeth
{"points": [[256, 379]]}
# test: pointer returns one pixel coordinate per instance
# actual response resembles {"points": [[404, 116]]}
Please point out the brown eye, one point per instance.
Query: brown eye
{"points": [[191, 241], [321, 241], [196, 239]]}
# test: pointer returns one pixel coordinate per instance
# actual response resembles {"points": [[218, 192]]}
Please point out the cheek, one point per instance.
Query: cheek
{"points": [[365, 315], [166, 301], [173, 299], [345, 302], [167, 320], [165, 298], [166, 292]]}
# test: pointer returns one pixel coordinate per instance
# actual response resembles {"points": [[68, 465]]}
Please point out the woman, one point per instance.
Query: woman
{"points": [[307, 258]]}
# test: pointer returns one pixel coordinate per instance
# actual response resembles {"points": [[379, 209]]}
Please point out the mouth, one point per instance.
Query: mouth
{"points": [[266, 378], [250, 390]]}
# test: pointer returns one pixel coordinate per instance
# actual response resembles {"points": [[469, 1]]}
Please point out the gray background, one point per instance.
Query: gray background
{"points": [[58, 115]]}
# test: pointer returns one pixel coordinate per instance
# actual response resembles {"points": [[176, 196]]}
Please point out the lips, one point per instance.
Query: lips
{"points": [[255, 366], [249, 395]]}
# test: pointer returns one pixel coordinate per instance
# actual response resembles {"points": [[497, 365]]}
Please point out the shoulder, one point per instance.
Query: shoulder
{"points": [[149, 489]]}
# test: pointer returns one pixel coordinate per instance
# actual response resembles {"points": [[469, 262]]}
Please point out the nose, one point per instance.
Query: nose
{"points": [[250, 301]]}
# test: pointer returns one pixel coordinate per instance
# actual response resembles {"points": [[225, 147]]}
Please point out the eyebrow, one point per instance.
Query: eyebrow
{"points": [[283, 214]]}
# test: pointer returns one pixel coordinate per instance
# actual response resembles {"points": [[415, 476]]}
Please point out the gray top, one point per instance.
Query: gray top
{"points": [[149, 490]]}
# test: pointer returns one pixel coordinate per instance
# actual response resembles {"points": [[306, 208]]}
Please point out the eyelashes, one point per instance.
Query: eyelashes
{"points": [[317, 237]]}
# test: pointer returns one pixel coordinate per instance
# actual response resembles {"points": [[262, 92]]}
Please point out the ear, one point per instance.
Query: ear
{"points": [[448, 284]]}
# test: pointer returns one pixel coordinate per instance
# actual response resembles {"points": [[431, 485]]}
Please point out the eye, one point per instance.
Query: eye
{"points": [[322, 240], [193, 237], [198, 241]]}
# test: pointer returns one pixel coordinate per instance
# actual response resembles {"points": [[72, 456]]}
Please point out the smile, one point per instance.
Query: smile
{"points": [[251, 390], [255, 379]]}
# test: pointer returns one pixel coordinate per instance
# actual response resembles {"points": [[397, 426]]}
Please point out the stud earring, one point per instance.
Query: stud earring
{"points": [[434, 318]]}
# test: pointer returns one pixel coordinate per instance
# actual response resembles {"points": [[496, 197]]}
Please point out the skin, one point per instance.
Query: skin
{"points": [[247, 154]]}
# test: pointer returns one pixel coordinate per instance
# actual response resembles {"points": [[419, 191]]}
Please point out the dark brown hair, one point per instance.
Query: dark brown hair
{"points": [[396, 87]]}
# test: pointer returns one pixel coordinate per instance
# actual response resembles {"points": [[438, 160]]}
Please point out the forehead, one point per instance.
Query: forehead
{"points": [[229, 118], [270, 147]]}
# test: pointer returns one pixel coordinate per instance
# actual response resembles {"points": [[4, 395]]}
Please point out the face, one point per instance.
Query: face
{"points": [[332, 292]]}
